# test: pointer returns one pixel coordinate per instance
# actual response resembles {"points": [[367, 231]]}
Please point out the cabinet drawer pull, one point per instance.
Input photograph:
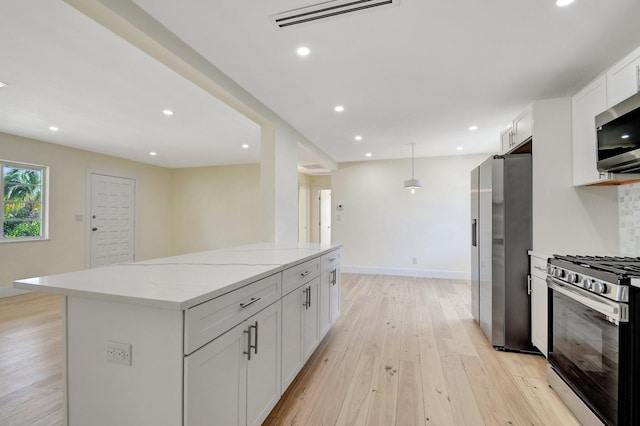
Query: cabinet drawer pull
{"points": [[255, 347], [307, 302], [334, 277], [251, 302], [332, 259], [540, 268], [249, 345], [304, 274], [248, 351]]}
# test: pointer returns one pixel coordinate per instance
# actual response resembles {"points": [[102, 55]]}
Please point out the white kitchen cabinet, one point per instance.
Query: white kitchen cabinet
{"points": [[329, 291], [292, 329], [192, 322], [623, 79], [300, 310], [539, 317], [263, 369], [517, 132], [310, 319], [211, 392], [522, 127], [586, 104], [506, 139], [335, 295], [324, 313], [235, 379]]}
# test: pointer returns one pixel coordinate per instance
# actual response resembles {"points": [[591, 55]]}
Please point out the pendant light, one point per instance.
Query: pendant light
{"points": [[413, 183]]}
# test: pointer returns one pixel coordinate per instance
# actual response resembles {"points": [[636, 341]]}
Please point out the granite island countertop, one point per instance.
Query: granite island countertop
{"points": [[178, 282]]}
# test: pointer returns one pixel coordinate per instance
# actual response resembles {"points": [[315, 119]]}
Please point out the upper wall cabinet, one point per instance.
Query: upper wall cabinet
{"points": [[623, 79], [620, 81], [586, 104], [506, 138], [516, 132], [522, 127]]}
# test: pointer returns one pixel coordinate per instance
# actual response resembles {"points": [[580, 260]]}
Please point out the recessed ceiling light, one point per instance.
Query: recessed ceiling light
{"points": [[245, 146], [368, 154], [167, 112], [303, 51], [473, 128], [459, 148], [3, 84], [53, 128], [625, 136], [563, 3], [338, 108], [153, 154], [358, 138]]}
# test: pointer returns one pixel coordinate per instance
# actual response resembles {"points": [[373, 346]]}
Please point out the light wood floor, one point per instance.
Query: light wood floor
{"points": [[30, 360], [404, 352]]}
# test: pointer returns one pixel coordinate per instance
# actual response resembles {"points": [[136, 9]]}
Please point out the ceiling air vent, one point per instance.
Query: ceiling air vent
{"points": [[325, 10], [312, 166]]}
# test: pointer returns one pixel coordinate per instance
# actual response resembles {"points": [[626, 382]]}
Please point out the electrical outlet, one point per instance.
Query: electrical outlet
{"points": [[119, 352], [414, 260]]}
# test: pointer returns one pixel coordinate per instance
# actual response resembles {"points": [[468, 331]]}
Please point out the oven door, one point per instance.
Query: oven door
{"points": [[585, 339]]}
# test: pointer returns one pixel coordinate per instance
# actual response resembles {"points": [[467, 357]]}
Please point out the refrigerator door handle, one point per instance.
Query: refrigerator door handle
{"points": [[474, 232]]}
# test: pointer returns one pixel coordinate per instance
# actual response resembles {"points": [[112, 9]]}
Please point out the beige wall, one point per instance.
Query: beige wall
{"points": [[567, 219], [65, 251], [178, 210], [383, 227], [214, 207]]}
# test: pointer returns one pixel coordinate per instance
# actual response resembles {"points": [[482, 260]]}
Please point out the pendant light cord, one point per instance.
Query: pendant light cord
{"points": [[412, 167]]}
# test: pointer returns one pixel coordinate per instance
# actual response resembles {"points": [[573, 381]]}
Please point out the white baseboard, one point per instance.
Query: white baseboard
{"points": [[10, 291], [407, 272]]}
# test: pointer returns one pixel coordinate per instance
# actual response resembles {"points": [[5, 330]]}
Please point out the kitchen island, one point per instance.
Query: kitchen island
{"points": [[205, 338]]}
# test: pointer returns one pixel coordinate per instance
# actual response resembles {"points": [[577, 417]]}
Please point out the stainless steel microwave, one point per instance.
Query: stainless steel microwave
{"points": [[618, 132]]}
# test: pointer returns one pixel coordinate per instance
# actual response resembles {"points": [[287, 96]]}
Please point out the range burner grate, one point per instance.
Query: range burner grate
{"points": [[613, 264]]}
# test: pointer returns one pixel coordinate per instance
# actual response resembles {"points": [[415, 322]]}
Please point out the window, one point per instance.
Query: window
{"points": [[23, 203]]}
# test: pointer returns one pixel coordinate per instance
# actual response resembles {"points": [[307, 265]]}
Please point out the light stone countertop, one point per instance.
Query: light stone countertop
{"points": [[539, 255], [178, 282]]}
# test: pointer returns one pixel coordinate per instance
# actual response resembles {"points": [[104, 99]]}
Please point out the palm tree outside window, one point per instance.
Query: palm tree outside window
{"points": [[23, 203]]}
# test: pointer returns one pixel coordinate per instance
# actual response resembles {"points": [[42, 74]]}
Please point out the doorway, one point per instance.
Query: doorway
{"points": [[325, 216], [111, 219], [304, 198]]}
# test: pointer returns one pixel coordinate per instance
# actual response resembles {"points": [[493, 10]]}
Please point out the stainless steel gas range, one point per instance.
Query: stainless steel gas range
{"points": [[594, 347]]}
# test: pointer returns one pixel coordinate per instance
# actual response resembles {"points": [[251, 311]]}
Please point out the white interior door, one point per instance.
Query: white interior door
{"points": [[325, 216], [304, 199], [112, 233]]}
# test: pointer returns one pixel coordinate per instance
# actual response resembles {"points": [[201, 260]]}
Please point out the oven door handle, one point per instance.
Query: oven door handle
{"points": [[616, 311]]}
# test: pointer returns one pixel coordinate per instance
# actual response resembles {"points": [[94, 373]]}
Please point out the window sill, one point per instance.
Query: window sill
{"points": [[23, 240]]}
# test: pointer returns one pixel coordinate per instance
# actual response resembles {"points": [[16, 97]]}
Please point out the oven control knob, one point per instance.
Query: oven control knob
{"points": [[558, 273], [573, 278], [599, 288], [587, 283], [550, 269]]}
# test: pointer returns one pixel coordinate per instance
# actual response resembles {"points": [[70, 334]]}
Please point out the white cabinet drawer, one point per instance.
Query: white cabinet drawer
{"points": [[295, 276], [539, 267], [209, 320], [330, 260]]}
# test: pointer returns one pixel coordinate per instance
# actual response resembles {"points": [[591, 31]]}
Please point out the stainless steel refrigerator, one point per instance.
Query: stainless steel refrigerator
{"points": [[501, 235]]}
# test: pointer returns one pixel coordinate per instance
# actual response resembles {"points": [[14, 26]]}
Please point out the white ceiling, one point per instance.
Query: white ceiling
{"points": [[421, 72]]}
